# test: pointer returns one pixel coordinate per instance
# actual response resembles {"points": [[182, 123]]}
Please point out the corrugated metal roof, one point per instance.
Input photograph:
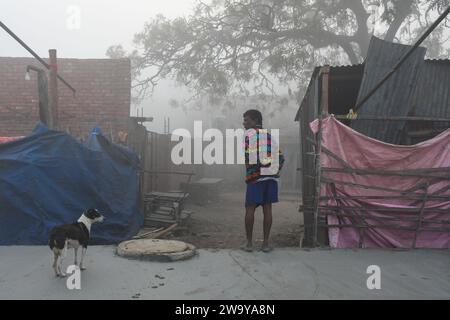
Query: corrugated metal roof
{"points": [[395, 96], [419, 88], [431, 96]]}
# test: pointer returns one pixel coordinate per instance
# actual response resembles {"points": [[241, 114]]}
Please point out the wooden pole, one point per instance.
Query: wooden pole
{"points": [[322, 106], [419, 223], [318, 182], [34, 54], [53, 89]]}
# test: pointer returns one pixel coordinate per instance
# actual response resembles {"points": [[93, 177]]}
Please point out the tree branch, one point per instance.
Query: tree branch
{"points": [[403, 9]]}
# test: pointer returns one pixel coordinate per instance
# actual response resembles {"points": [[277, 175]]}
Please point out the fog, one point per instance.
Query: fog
{"points": [[46, 24]]}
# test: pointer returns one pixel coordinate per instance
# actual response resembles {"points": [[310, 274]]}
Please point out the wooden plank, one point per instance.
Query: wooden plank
{"points": [[169, 173], [164, 232], [437, 192], [405, 173], [329, 180], [332, 155], [207, 181], [354, 226], [144, 235], [419, 224], [400, 197], [157, 219], [402, 219], [325, 97], [411, 210], [362, 233], [392, 118]]}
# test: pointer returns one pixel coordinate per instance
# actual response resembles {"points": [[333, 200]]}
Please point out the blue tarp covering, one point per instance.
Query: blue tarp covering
{"points": [[49, 178]]}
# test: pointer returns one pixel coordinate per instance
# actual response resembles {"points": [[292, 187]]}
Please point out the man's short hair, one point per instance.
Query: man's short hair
{"points": [[255, 115]]}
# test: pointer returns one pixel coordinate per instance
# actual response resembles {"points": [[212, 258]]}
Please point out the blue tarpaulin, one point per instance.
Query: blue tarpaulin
{"points": [[49, 178]]}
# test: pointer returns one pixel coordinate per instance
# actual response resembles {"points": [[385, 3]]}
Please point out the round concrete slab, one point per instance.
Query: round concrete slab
{"points": [[156, 249]]}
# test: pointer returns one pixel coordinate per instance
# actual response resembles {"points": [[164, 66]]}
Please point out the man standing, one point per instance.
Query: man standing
{"points": [[261, 179]]}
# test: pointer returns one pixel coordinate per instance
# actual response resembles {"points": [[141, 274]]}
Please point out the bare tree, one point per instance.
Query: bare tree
{"points": [[228, 44]]}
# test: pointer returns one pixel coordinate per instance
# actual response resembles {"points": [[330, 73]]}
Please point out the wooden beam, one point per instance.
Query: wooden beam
{"points": [[325, 98], [392, 118], [419, 224]]}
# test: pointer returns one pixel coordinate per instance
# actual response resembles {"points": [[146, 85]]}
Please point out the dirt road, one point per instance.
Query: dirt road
{"points": [[220, 224]]}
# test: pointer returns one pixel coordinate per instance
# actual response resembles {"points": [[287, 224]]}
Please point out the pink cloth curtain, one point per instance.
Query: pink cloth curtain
{"points": [[361, 152]]}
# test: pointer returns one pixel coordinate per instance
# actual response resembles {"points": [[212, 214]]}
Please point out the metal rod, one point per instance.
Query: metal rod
{"points": [[34, 54], [403, 59]]}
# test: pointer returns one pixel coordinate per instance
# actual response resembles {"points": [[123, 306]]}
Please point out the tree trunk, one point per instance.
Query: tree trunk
{"points": [[403, 9]]}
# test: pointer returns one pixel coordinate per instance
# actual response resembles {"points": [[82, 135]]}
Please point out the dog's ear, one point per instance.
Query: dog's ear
{"points": [[93, 213]]}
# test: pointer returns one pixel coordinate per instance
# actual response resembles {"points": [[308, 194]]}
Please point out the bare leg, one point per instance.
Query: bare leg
{"points": [[55, 262], [83, 252], [61, 259], [267, 210], [249, 221]]}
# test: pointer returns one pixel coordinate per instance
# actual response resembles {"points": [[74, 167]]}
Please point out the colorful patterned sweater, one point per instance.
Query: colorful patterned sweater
{"points": [[256, 142]]}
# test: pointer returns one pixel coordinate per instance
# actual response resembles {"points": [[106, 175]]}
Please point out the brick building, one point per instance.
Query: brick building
{"points": [[103, 96]]}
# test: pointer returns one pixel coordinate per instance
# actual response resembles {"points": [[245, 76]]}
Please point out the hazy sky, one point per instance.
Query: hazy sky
{"points": [[54, 24], [45, 24]]}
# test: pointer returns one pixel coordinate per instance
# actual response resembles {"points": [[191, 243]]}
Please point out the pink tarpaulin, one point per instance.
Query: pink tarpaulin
{"points": [[361, 152], [9, 139]]}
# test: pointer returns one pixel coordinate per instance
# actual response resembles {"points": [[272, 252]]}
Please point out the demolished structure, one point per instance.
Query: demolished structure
{"points": [[368, 187]]}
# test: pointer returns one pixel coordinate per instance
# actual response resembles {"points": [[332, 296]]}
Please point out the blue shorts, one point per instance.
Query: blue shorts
{"points": [[262, 192]]}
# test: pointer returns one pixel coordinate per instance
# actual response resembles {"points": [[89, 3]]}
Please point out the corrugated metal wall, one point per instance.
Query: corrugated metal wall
{"points": [[395, 97], [431, 98]]}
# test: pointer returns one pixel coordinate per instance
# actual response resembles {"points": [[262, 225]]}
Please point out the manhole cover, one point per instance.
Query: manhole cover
{"points": [[155, 249]]}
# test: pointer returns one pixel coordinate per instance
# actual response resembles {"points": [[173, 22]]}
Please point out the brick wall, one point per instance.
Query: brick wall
{"points": [[103, 96]]}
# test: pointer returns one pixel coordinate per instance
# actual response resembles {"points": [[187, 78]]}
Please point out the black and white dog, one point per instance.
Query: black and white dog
{"points": [[70, 236]]}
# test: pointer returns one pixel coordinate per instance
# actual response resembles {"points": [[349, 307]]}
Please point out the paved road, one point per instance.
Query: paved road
{"points": [[25, 273]]}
